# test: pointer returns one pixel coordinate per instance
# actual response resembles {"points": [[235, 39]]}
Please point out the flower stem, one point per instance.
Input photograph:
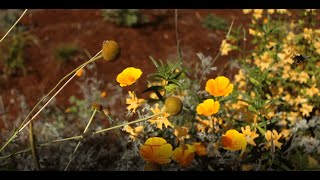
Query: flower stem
{"points": [[33, 147], [24, 12], [218, 55], [85, 130]]}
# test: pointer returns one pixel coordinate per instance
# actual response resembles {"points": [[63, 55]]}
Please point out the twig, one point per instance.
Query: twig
{"points": [[177, 35], [77, 146], [218, 55], [33, 148], [13, 25]]}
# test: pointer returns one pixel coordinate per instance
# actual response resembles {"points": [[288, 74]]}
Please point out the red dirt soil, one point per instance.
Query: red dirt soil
{"points": [[87, 30]]}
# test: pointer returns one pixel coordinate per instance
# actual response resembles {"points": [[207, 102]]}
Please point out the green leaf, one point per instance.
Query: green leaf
{"points": [[153, 88]]}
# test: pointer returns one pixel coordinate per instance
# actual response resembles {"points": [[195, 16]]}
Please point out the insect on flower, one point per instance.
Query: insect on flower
{"points": [[298, 58]]}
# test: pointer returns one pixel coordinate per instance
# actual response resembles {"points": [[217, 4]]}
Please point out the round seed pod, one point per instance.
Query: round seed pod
{"points": [[97, 106], [110, 50], [173, 105]]}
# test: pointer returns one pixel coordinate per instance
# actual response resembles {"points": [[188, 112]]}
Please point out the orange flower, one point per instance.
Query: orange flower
{"points": [[184, 155], [103, 94], [208, 107], [79, 72], [133, 102], [200, 149], [156, 150], [129, 76], [233, 140], [219, 87], [160, 119]]}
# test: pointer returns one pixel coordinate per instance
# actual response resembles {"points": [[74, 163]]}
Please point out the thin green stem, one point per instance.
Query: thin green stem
{"points": [[218, 55], [24, 12], [33, 148], [77, 146], [121, 125]]}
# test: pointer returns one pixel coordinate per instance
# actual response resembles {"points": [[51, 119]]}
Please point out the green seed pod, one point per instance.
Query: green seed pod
{"points": [[110, 50], [173, 105]]}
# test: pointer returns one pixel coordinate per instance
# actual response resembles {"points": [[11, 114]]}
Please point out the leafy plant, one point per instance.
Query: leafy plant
{"points": [[214, 22], [65, 52], [125, 17]]}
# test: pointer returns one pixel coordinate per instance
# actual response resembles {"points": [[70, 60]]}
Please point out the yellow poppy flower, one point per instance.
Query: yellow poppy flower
{"points": [[208, 107], [233, 140], [129, 76], [219, 86], [156, 150], [183, 155]]}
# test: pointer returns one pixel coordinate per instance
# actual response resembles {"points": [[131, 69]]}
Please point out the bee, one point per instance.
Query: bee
{"points": [[298, 58]]}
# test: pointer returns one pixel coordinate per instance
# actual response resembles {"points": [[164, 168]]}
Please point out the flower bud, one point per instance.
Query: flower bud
{"points": [[173, 105], [110, 50]]}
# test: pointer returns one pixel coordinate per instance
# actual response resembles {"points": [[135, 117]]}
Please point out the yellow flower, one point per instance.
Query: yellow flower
{"points": [[272, 138], [240, 76], [129, 76], [134, 133], [300, 100], [225, 48], [246, 11], [317, 46], [208, 107], [270, 11], [203, 124], [312, 91], [233, 140], [255, 33], [133, 102], [292, 116], [183, 155], [286, 133], [103, 94], [220, 86], [246, 167], [306, 109], [283, 11], [161, 118], [307, 34], [199, 148], [257, 13], [303, 77], [156, 150], [249, 135], [264, 61]]}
